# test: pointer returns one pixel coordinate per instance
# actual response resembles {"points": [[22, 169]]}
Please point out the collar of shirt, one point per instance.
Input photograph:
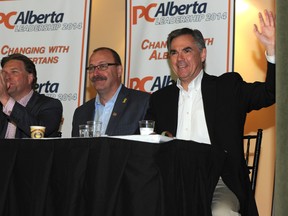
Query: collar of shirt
{"points": [[23, 101], [103, 112], [270, 59], [195, 84], [111, 101]]}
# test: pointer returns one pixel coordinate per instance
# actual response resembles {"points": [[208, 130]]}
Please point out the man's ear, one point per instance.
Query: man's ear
{"points": [[119, 70], [30, 78], [203, 54]]}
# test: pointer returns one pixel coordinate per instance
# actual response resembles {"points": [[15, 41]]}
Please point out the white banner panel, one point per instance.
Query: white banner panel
{"points": [[150, 22], [54, 35]]}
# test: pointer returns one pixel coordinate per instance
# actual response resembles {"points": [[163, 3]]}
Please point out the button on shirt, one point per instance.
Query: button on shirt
{"points": [[103, 112], [191, 119]]}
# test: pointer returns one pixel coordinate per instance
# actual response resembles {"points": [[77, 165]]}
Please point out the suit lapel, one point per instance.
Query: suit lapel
{"points": [[209, 102], [174, 109], [32, 102], [118, 109], [90, 112], [31, 105]]}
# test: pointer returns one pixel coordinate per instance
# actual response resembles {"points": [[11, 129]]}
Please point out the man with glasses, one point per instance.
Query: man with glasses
{"points": [[117, 107]]}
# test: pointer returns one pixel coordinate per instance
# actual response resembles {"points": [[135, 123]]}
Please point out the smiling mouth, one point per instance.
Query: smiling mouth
{"points": [[181, 68], [181, 65]]}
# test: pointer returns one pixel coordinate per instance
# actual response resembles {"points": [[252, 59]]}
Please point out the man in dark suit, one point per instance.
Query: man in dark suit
{"points": [[20, 106], [212, 110], [117, 107]]}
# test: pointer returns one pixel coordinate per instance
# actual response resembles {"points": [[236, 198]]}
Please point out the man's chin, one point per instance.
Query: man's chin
{"points": [[99, 88], [10, 91]]}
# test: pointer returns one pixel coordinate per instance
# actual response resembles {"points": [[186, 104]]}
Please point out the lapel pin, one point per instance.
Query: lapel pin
{"points": [[124, 100], [114, 114]]}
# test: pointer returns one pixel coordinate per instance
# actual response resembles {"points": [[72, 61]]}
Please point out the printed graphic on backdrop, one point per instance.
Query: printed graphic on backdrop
{"points": [[53, 34], [150, 22]]}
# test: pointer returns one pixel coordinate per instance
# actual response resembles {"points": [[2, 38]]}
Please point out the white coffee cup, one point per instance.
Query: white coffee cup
{"points": [[37, 132]]}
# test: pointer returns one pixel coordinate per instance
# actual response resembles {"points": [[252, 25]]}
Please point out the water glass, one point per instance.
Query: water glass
{"points": [[146, 127], [84, 130], [94, 128]]}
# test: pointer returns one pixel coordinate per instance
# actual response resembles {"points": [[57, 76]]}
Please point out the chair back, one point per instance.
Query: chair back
{"points": [[251, 141]]}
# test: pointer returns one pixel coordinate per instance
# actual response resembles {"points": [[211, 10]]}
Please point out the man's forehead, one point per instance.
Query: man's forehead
{"points": [[14, 63], [102, 55], [183, 40]]}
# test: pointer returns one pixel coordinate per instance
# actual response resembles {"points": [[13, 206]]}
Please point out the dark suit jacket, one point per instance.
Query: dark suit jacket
{"points": [[129, 108], [40, 110], [226, 100]]}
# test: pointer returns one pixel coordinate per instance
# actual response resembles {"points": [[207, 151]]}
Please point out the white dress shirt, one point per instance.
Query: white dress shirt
{"points": [[191, 119], [103, 112]]}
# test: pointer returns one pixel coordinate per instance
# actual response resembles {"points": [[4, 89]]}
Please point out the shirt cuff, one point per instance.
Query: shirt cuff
{"points": [[270, 59], [7, 109]]}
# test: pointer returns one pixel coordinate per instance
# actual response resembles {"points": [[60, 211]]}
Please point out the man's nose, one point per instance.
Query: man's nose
{"points": [[95, 73], [180, 56]]}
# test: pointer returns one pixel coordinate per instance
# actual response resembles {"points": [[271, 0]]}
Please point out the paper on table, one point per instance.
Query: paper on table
{"points": [[153, 138]]}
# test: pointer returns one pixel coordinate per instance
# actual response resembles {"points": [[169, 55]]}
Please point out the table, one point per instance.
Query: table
{"points": [[107, 176]]}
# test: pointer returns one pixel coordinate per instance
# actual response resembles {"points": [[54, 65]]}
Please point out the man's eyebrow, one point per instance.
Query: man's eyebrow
{"points": [[185, 48]]}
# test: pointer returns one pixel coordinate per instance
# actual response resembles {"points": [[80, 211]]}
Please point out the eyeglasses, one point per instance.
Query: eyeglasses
{"points": [[100, 67]]}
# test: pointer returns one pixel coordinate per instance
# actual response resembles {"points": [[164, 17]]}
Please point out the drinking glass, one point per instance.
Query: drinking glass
{"points": [[146, 127], [84, 130]]}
